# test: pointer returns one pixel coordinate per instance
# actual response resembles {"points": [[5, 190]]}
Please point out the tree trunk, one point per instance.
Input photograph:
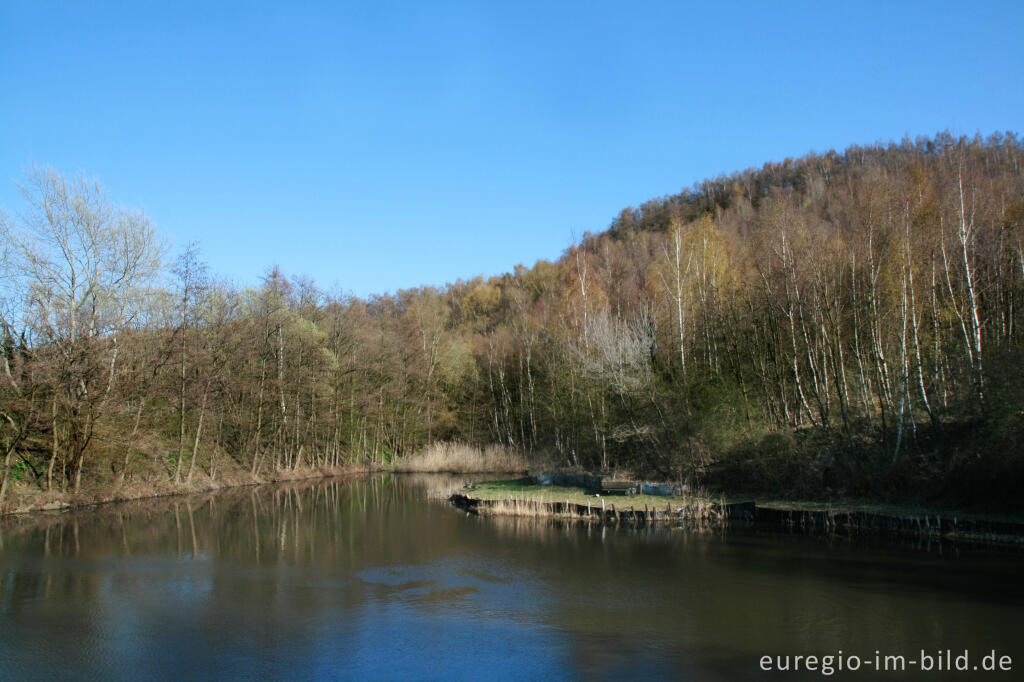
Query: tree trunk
{"points": [[195, 443]]}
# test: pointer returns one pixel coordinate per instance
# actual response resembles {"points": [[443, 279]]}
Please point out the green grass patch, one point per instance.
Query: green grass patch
{"points": [[526, 489]]}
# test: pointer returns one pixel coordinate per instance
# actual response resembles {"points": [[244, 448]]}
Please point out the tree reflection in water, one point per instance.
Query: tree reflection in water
{"points": [[379, 576]]}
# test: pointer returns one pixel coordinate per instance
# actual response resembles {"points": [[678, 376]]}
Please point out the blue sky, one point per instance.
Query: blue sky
{"points": [[382, 145]]}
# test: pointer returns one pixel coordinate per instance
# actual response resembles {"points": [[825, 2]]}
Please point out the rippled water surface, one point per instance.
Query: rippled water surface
{"points": [[372, 578]]}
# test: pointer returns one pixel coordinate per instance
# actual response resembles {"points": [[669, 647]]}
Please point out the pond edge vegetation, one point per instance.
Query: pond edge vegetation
{"points": [[841, 325], [701, 511]]}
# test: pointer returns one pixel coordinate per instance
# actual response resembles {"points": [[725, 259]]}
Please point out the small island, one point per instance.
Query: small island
{"points": [[511, 340], [588, 498]]}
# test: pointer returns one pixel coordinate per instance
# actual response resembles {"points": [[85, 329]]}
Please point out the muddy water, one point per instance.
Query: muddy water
{"points": [[373, 578]]}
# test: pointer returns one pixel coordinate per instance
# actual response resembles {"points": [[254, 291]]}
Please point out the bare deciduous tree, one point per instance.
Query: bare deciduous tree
{"points": [[84, 266]]}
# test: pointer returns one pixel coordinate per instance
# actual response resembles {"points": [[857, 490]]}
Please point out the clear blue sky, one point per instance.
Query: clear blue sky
{"points": [[381, 145]]}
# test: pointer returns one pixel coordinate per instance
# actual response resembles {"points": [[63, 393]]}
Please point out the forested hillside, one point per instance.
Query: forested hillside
{"points": [[839, 324]]}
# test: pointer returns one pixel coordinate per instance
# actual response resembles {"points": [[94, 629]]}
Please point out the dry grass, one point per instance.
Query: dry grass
{"points": [[523, 498], [526, 489], [23, 497], [462, 458], [694, 512]]}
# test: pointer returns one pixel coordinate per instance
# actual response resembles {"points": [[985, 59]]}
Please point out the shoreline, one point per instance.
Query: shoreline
{"points": [[518, 498], [576, 505], [58, 501], [65, 502]]}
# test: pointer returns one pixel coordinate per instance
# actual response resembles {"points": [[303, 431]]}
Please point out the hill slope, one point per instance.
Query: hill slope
{"points": [[839, 324]]}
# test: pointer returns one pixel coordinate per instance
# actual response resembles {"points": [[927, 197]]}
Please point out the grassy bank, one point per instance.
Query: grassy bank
{"points": [[526, 489], [25, 498], [152, 474], [523, 497]]}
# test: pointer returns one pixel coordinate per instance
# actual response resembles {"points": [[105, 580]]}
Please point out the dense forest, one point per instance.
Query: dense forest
{"points": [[842, 324]]}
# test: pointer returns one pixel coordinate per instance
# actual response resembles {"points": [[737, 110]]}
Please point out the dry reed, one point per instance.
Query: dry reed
{"points": [[462, 458], [691, 512]]}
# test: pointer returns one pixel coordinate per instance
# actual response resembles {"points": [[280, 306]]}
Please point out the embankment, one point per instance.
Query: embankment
{"points": [[29, 499], [704, 513]]}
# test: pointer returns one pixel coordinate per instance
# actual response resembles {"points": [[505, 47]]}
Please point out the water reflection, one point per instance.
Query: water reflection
{"points": [[379, 577]]}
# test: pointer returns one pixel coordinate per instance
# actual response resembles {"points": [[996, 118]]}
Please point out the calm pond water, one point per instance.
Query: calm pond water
{"points": [[372, 578]]}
